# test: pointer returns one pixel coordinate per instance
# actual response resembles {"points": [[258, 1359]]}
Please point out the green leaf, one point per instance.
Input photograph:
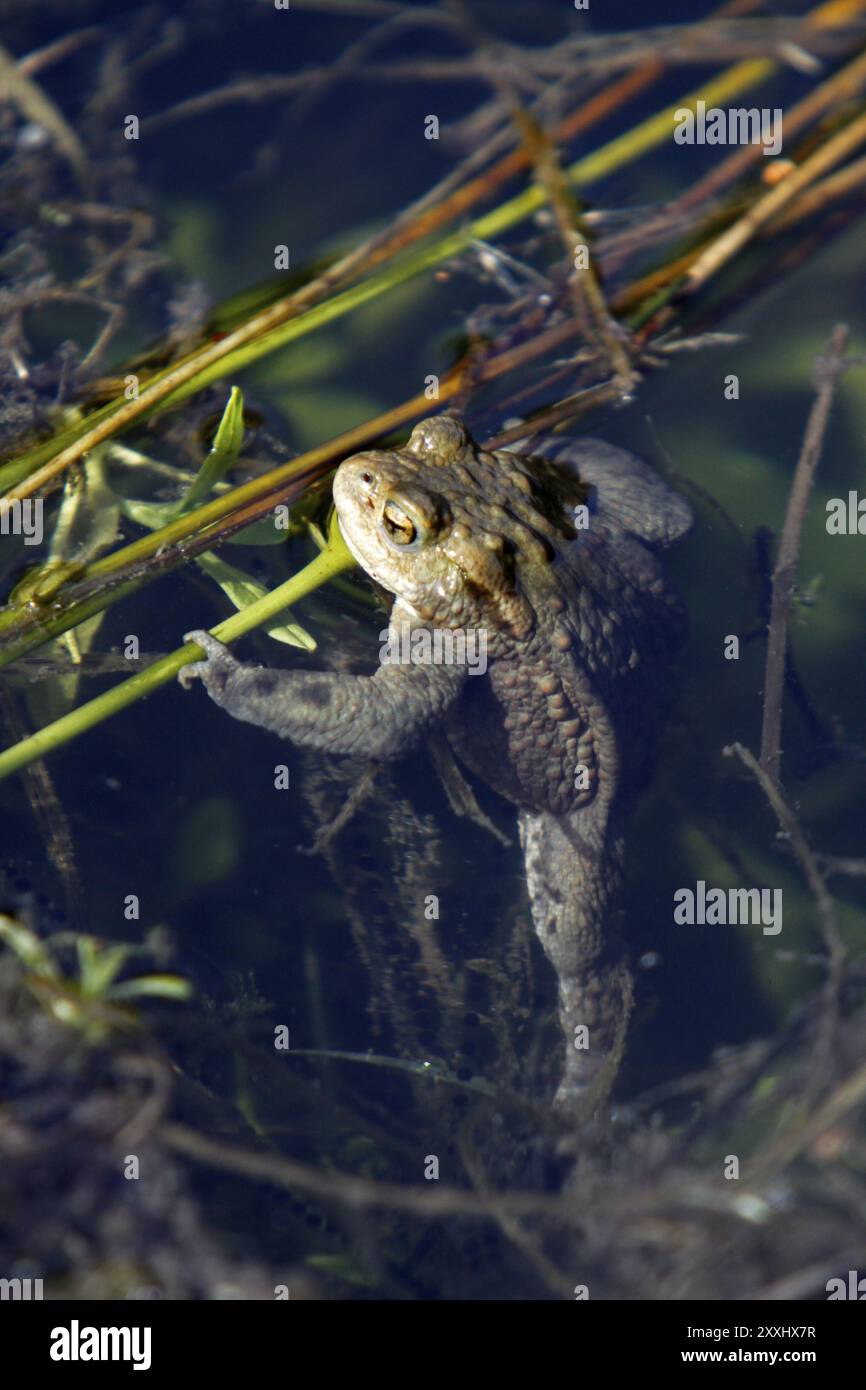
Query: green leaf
{"points": [[224, 452], [86, 523], [28, 947], [99, 965], [341, 1267], [242, 591], [154, 986], [223, 456], [34, 104], [149, 514]]}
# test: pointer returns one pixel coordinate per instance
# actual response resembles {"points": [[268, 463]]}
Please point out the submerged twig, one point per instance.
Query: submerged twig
{"points": [[431, 1200], [836, 186], [734, 238], [829, 367], [587, 56], [48, 811], [808, 861], [841, 86]]}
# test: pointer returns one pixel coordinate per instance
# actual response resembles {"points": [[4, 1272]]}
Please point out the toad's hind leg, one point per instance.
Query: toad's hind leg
{"points": [[573, 872], [626, 488]]}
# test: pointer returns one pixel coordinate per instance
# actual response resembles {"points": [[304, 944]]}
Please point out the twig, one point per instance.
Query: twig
{"points": [[734, 238], [590, 56], [839, 185], [811, 1279], [429, 1200], [841, 864], [837, 89], [48, 811], [557, 414], [589, 302], [835, 92], [828, 370], [836, 952], [38, 58]]}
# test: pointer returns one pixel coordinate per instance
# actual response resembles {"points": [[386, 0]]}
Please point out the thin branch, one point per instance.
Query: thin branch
{"points": [[836, 952], [828, 370], [841, 87], [842, 184], [842, 864], [429, 1200], [734, 238]]}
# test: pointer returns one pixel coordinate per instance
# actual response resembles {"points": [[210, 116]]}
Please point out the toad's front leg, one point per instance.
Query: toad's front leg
{"points": [[377, 716]]}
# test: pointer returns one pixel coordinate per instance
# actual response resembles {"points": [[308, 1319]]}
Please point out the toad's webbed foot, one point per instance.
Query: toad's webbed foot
{"points": [[214, 670]]}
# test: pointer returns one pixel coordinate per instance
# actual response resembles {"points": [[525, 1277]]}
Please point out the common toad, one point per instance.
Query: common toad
{"points": [[545, 559]]}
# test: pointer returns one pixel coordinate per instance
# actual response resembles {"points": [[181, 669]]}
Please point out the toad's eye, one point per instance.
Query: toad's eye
{"points": [[398, 524], [413, 516]]}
